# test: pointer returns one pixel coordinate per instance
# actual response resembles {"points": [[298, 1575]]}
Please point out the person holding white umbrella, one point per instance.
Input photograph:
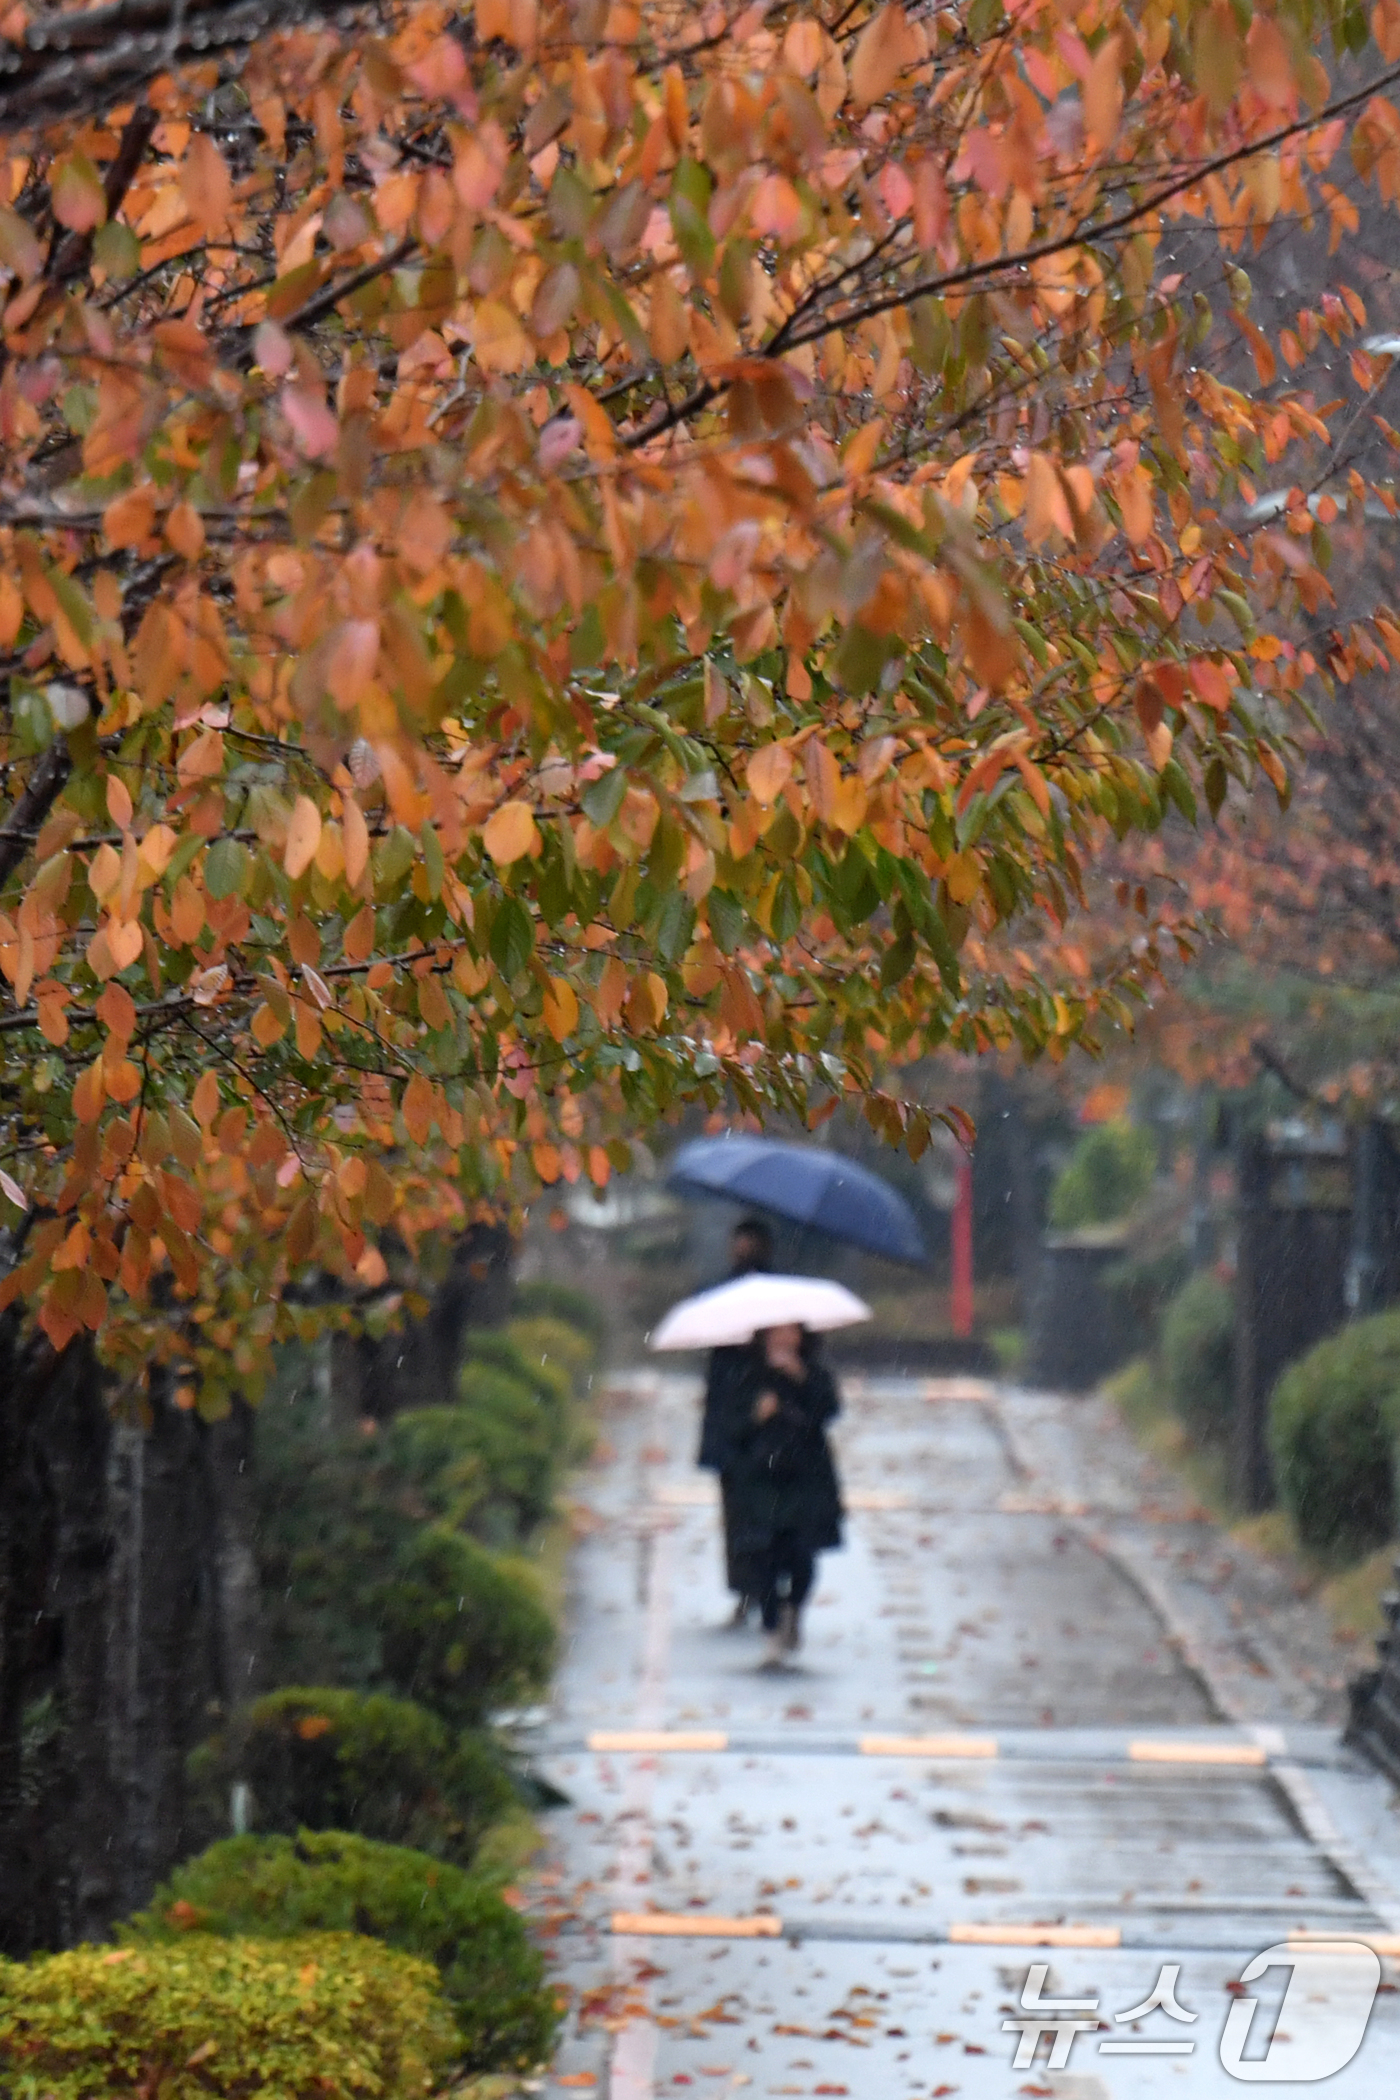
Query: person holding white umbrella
{"points": [[784, 1501]]}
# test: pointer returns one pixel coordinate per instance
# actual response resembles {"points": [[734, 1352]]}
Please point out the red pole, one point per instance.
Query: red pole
{"points": [[962, 1250]]}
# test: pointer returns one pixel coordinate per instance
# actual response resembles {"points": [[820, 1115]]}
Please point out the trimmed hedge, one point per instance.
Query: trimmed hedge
{"points": [[331, 2016], [275, 1887], [342, 1554], [1109, 1172], [322, 1759], [462, 1629], [1333, 1420], [560, 1301], [1198, 1355]]}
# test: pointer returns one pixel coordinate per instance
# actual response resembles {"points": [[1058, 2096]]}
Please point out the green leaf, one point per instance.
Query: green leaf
{"points": [[602, 798], [512, 938], [227, 868], [726, 920]]}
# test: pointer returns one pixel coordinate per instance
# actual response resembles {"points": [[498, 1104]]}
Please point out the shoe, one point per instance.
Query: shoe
{"points": [[774, 1651], [789, 1628], [740, 1616]]}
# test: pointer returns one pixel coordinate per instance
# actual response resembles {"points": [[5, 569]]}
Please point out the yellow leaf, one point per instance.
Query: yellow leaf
{"points": [[560, 1009], [303, 837], [510, 833], [356, 845]]}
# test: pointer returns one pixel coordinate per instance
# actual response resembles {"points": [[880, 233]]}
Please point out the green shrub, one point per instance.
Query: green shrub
{"points": [[542, 1340], [322, 1759], [551, 1384], [1332, 1425], [340, 1560], [278, 1887], [328, 2017], [462, 1629], [515, 1440], [1109, 1171], [560, 1301], [1198, 1356]]}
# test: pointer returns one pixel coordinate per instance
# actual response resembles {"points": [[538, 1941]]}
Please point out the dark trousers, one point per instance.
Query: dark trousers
{"points": [[739, 1571], [785, 1574]]}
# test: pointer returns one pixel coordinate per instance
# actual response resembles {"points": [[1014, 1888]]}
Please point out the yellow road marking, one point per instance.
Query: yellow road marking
{"points": [[685, 1925], [928, 1746], [1386, 1943], [1035, 1935], [1167, 1753], [658, 1739]]}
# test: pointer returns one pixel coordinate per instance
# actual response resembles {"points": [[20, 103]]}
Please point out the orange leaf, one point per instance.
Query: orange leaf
{"points": [[884, 49], [1270, 63], [118, 802], [303, 837], [206, 182], [184, 529], [128, 520], [89, 1092], [1047, 505], [1103, 94], [205, 1100], [418, 1106], [510, 833], [769, 772]]}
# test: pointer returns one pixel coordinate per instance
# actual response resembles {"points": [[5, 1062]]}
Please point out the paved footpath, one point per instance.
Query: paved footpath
{"points": [[1026, 1733]]}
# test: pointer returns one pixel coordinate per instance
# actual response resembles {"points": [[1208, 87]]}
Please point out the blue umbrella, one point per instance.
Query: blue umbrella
{"points": [[807, 1184]]}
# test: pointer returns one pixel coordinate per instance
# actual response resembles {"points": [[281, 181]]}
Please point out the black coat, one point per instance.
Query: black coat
{"points": [[782, 1477], [726, 1390]]}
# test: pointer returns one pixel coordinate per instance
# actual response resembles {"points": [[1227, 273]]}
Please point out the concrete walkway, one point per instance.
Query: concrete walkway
{"points": [[1017, 1737]]}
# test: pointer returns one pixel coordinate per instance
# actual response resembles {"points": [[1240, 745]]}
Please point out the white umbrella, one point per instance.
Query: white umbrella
{"points": [[736, 1312]]}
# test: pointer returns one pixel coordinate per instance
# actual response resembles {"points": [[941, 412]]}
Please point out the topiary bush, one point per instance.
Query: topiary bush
{"points": [[1332, 1425], [462, 1629], [1109, 1171], [491, 1462], [275, 1887], [340, 1555], [1198, 1356], [554, 1343], [323, 1759], [330, 2016], [560, 1301]]}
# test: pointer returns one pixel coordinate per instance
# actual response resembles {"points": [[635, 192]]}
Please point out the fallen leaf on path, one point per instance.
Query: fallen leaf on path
{"points": [[575, 2078]]}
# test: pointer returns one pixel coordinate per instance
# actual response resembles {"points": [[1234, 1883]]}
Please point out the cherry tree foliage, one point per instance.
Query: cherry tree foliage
{"points": [[565, 559]]}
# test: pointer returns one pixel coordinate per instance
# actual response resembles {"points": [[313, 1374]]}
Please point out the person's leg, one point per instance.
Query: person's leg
{"points": [[736, 1564], [798, 1569]]}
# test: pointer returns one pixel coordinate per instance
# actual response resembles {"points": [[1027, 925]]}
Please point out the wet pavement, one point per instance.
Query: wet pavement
{"points": [[1025, 1733]]}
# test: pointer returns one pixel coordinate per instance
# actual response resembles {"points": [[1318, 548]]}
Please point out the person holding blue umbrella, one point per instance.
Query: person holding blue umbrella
{"points": [[723, 1420]]}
